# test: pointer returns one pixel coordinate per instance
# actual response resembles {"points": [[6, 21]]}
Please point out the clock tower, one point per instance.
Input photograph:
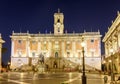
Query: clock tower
{"points": [[58, 23]]}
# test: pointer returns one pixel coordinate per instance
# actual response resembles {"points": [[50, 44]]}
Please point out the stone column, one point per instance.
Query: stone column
{"points": [[99, 44], [39, 47], [109, 47], [117, 40], [63, 48], [28, 48], [73, 48], [116, 44], [106, 49], [49, 48], [113, 44], [107, 53]]}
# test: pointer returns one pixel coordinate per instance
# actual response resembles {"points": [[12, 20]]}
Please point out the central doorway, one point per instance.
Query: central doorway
{"points": [[56, 54]]}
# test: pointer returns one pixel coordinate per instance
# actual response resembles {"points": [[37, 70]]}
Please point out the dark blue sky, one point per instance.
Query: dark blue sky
{"points": [[37, 15]]}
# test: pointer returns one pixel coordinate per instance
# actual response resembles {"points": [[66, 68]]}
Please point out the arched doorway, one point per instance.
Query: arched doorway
{"points": [[55, 65], [56, 54]]}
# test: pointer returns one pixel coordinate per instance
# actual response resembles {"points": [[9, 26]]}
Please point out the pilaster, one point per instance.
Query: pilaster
{"points": [[63, 49], [28, 47], [99, 44], [39, 47], [49, 48], [12, 48], [73, 47]]}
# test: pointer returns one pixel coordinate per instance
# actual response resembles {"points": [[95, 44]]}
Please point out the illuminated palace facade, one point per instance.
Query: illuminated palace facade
{"points": [[56, 48], [112, 47]]}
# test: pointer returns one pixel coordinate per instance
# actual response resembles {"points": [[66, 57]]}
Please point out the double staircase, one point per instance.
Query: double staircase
{"points": [[70, 64]]}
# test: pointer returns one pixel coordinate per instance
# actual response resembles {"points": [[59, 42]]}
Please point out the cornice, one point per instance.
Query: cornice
{"points": [[112, 28]]}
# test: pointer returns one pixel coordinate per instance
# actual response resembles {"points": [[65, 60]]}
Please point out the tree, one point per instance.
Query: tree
{"points": [[4, 50]]}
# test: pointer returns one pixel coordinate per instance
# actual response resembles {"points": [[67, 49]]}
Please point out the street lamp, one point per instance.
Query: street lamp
{"points": [[112, 72], [83, 76]]}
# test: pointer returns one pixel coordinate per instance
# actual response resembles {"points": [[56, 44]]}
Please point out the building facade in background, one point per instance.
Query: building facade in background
{"points": [[56, 49], [112, 42]]}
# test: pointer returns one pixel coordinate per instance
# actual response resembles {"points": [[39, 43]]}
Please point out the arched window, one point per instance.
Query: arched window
{"points": [[56, 54], [68, 54]]}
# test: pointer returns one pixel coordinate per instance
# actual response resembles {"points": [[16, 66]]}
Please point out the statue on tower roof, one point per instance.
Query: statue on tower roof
{"points": [[58, 10]]}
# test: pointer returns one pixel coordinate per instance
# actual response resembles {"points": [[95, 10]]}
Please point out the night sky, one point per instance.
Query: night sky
{"points": [[37, 16]]}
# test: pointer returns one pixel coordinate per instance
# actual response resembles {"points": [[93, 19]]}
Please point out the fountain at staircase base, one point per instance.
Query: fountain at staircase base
{"points": [[40, 68]]}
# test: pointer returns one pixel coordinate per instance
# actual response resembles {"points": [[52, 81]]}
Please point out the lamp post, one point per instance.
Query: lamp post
{"points": [[112, 72], [83, 75]]}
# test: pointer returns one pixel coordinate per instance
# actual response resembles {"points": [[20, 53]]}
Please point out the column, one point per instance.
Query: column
{"points": [[63, 49], [117, 38], [109, 47], [12, 50], [113, 44], [73, 48], [39, 47], [99, 44], [116, 44], [106, 48], [28, 48], [49, 48]]}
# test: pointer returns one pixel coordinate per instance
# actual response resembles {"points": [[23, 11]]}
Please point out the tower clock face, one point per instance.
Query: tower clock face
{"points": [[58, 24]]}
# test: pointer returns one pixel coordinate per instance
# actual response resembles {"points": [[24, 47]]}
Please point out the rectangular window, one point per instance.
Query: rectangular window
{"points": [[33, 42], [68, 54], [19, 41], [92, 40], [33, 54]]}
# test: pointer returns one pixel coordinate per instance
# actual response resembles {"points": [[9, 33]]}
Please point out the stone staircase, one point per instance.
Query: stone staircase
{"points": [[66, 63], [61, 62]]}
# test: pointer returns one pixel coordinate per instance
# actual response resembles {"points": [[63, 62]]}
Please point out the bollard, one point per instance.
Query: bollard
{"points": [[105, 79]]}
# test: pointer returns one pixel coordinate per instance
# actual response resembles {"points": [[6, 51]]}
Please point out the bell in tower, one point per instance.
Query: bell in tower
{"points": [[58, 23]]}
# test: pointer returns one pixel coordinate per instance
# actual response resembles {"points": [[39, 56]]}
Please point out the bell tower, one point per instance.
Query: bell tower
{"points": [[58, 23]]}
